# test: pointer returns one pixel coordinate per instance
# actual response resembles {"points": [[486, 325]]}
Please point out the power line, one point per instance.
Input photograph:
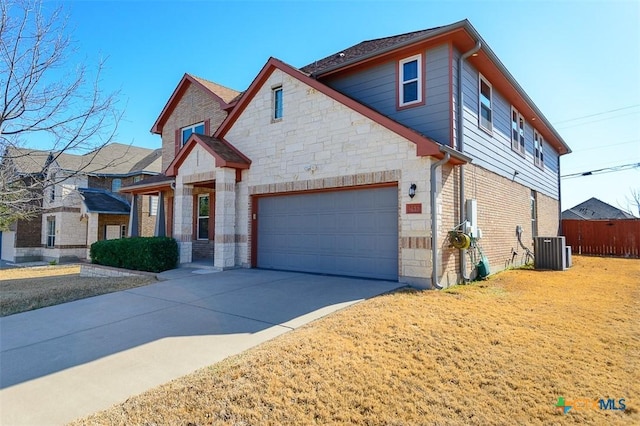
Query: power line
{"points": [[596, 114], [602, 171], [606, 146], [597, 121]]}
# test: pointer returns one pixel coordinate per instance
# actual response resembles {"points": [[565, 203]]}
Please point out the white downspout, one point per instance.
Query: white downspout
{"points": [[434, 222], [460, 129]]}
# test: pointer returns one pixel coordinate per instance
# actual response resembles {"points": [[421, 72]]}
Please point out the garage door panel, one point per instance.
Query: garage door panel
{"points": [[352, 232]]}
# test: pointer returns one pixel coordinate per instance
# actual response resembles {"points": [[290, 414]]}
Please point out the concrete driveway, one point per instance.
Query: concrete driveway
{"points": [[70, 360]]}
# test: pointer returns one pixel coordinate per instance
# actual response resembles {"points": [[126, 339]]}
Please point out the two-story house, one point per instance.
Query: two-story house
{"points": [[81, 202], [363, 163]]}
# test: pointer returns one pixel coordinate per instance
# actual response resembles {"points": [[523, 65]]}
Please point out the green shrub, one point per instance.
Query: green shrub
{"points": [[152, 254]]}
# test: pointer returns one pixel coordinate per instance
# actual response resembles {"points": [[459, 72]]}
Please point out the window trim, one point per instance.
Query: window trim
{"points": [[193, 130], [198, 217], [277, 113], [518, 144], [538, 145], [419, 79], [51, 238], [482, 79]]}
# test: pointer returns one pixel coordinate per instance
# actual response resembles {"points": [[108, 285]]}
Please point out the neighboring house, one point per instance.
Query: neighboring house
{"points": [[81, 203], [597, 228], [594, 209], [361, 163]]}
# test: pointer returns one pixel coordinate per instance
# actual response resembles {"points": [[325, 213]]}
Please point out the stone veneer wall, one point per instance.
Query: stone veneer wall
{"points": [[322, 144]]}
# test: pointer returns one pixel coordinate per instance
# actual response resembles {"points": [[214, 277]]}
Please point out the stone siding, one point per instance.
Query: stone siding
{"points": [[320, 144]]}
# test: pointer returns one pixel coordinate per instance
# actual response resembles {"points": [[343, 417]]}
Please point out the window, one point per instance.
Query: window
{"points": [[538, 144], [203, 217], [153, 205], [123, 231], [410, 81], [51, 231], [116, 184], [188, 131], [137, 179], [534, 214], [517, 131], [485, 120], [277, 103], [52, 193]]}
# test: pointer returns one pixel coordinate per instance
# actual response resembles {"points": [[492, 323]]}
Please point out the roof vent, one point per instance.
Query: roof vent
{"points": [[341, 55]]}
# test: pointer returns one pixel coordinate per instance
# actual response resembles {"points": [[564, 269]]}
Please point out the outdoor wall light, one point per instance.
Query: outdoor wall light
{"points": [[412, 190]]}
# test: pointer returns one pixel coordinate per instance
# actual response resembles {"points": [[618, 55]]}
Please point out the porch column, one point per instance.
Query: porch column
{"points": [[161, 227], [133, 217], [183, 220], [225, 224], [92, 231]]}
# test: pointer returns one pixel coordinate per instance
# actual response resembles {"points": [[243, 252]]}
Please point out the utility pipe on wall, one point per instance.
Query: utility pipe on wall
{"points": [[460, 130]]}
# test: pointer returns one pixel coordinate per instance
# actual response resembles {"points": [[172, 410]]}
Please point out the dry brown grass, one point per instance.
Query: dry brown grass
{"points": [[24, 289], [497, 352]]}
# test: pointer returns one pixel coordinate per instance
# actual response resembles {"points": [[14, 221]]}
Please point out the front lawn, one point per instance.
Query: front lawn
{"points": [[24, 289], [500, 351]]}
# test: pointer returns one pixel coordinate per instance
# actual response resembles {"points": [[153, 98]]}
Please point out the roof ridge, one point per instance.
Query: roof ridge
{"points": [[403, 34], [212, 82]]}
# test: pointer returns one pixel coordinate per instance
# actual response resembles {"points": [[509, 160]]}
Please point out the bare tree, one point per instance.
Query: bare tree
{"points": [[44, 98], [633, 199]]}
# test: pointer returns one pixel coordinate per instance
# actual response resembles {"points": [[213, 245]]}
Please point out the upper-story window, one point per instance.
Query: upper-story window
{"points": [[410, 81], [276, 104], [485, 90], [189, 130], [538, 144], [517, 131], [116, 184]]}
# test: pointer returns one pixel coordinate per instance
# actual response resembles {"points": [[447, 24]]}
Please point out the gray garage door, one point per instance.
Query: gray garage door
{"points": [[352, 232]]}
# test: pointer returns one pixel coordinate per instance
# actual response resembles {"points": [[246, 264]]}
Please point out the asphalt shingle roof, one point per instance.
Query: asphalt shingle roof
{"points": [[595, 209], [363, 49], [226, 94], [112, 159], [101, 201], [222, 149]]}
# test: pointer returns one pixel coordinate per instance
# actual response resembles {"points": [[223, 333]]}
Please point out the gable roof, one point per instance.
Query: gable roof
{"points": [[112, 159], [425, 146], [364, 49], [594, 209], [225, 154], [224, 95], [102, 201], [463, 36]]}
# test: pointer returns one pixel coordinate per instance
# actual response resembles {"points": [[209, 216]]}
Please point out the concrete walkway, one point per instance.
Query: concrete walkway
{"points": [[70, 360]]}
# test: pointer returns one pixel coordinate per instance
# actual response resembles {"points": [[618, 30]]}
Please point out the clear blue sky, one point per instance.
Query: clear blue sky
{"points": [[574, 59]]}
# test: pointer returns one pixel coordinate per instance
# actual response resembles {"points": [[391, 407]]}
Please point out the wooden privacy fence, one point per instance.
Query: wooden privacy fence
{"points": [[616, 237]]}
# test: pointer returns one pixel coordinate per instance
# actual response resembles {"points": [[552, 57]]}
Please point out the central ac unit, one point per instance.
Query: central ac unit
{"points": [[550, 253]]}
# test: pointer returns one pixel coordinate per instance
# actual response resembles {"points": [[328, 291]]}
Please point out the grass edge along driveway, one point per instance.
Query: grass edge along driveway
{"points": [[497, 352]]}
